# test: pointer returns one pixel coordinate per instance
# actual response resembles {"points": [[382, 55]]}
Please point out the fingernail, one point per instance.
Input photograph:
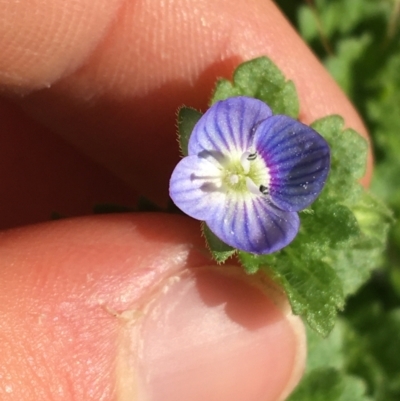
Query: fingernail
{"points": [[212, 334]]}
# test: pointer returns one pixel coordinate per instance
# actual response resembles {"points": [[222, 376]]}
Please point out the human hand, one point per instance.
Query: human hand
{"points": [[128, 307]]}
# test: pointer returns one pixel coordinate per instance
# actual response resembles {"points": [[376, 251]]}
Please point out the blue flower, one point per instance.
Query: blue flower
{"points": [[249, 172]]}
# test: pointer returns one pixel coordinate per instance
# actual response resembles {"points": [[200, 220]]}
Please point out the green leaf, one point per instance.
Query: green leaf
{"points": [[187, 119], [319, 385], [347, 55], [327, 18], [327, 384], [373, 216], [305, 282], [379, 330], [348, 159], [308, 23], [331, 226], [326, 352], [260, 78], [354, 389], [219, 250], [355, 264], [385, 344], [371, 346], [312, 286]]}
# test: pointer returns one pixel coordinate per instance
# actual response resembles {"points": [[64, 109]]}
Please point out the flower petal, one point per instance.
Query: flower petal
{"points": [[195, 187], [227, 126], [253, 225], [298, 159]]}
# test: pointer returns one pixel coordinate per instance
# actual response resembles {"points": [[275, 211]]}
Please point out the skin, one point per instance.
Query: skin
{"points": [[129, 307]]}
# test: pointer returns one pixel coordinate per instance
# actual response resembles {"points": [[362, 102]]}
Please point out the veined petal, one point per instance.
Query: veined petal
{"points": [[195, 187], [251, 224], [298, 159], [227, 127]]}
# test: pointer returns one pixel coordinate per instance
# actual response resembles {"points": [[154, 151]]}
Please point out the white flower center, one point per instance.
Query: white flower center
{"points": [[234, 179], [246, 172]]}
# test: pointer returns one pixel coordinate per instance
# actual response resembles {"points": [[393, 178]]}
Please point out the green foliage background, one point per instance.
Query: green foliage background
{"points": [[359, 43]]}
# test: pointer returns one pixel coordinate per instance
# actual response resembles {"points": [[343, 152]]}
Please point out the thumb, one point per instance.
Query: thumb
{"points": [[128, 308]]}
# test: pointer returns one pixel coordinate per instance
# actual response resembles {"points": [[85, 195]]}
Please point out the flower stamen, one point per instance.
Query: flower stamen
{"points": [[251, 186], [246, 158]]}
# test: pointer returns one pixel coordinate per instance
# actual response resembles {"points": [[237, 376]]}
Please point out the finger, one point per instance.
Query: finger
{"points": [[118, 98], [127, 308]]}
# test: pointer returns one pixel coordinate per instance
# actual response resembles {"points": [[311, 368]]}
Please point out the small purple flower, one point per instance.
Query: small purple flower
{"points": [[248, 173]]}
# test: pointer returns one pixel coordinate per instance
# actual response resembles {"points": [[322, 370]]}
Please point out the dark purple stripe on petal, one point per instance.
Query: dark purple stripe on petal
{"points": [[296, 170], [245, 217], [294, 156], [263, 228], [277, 224], [282, 228], [216, 136], [196, 197], [298, 167], [279, 138], [221, 146], [231, 117], [228, 125], [279, 227], [301, 179], [224, 130], [240, 226], [254, 225], [241, 129]]}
